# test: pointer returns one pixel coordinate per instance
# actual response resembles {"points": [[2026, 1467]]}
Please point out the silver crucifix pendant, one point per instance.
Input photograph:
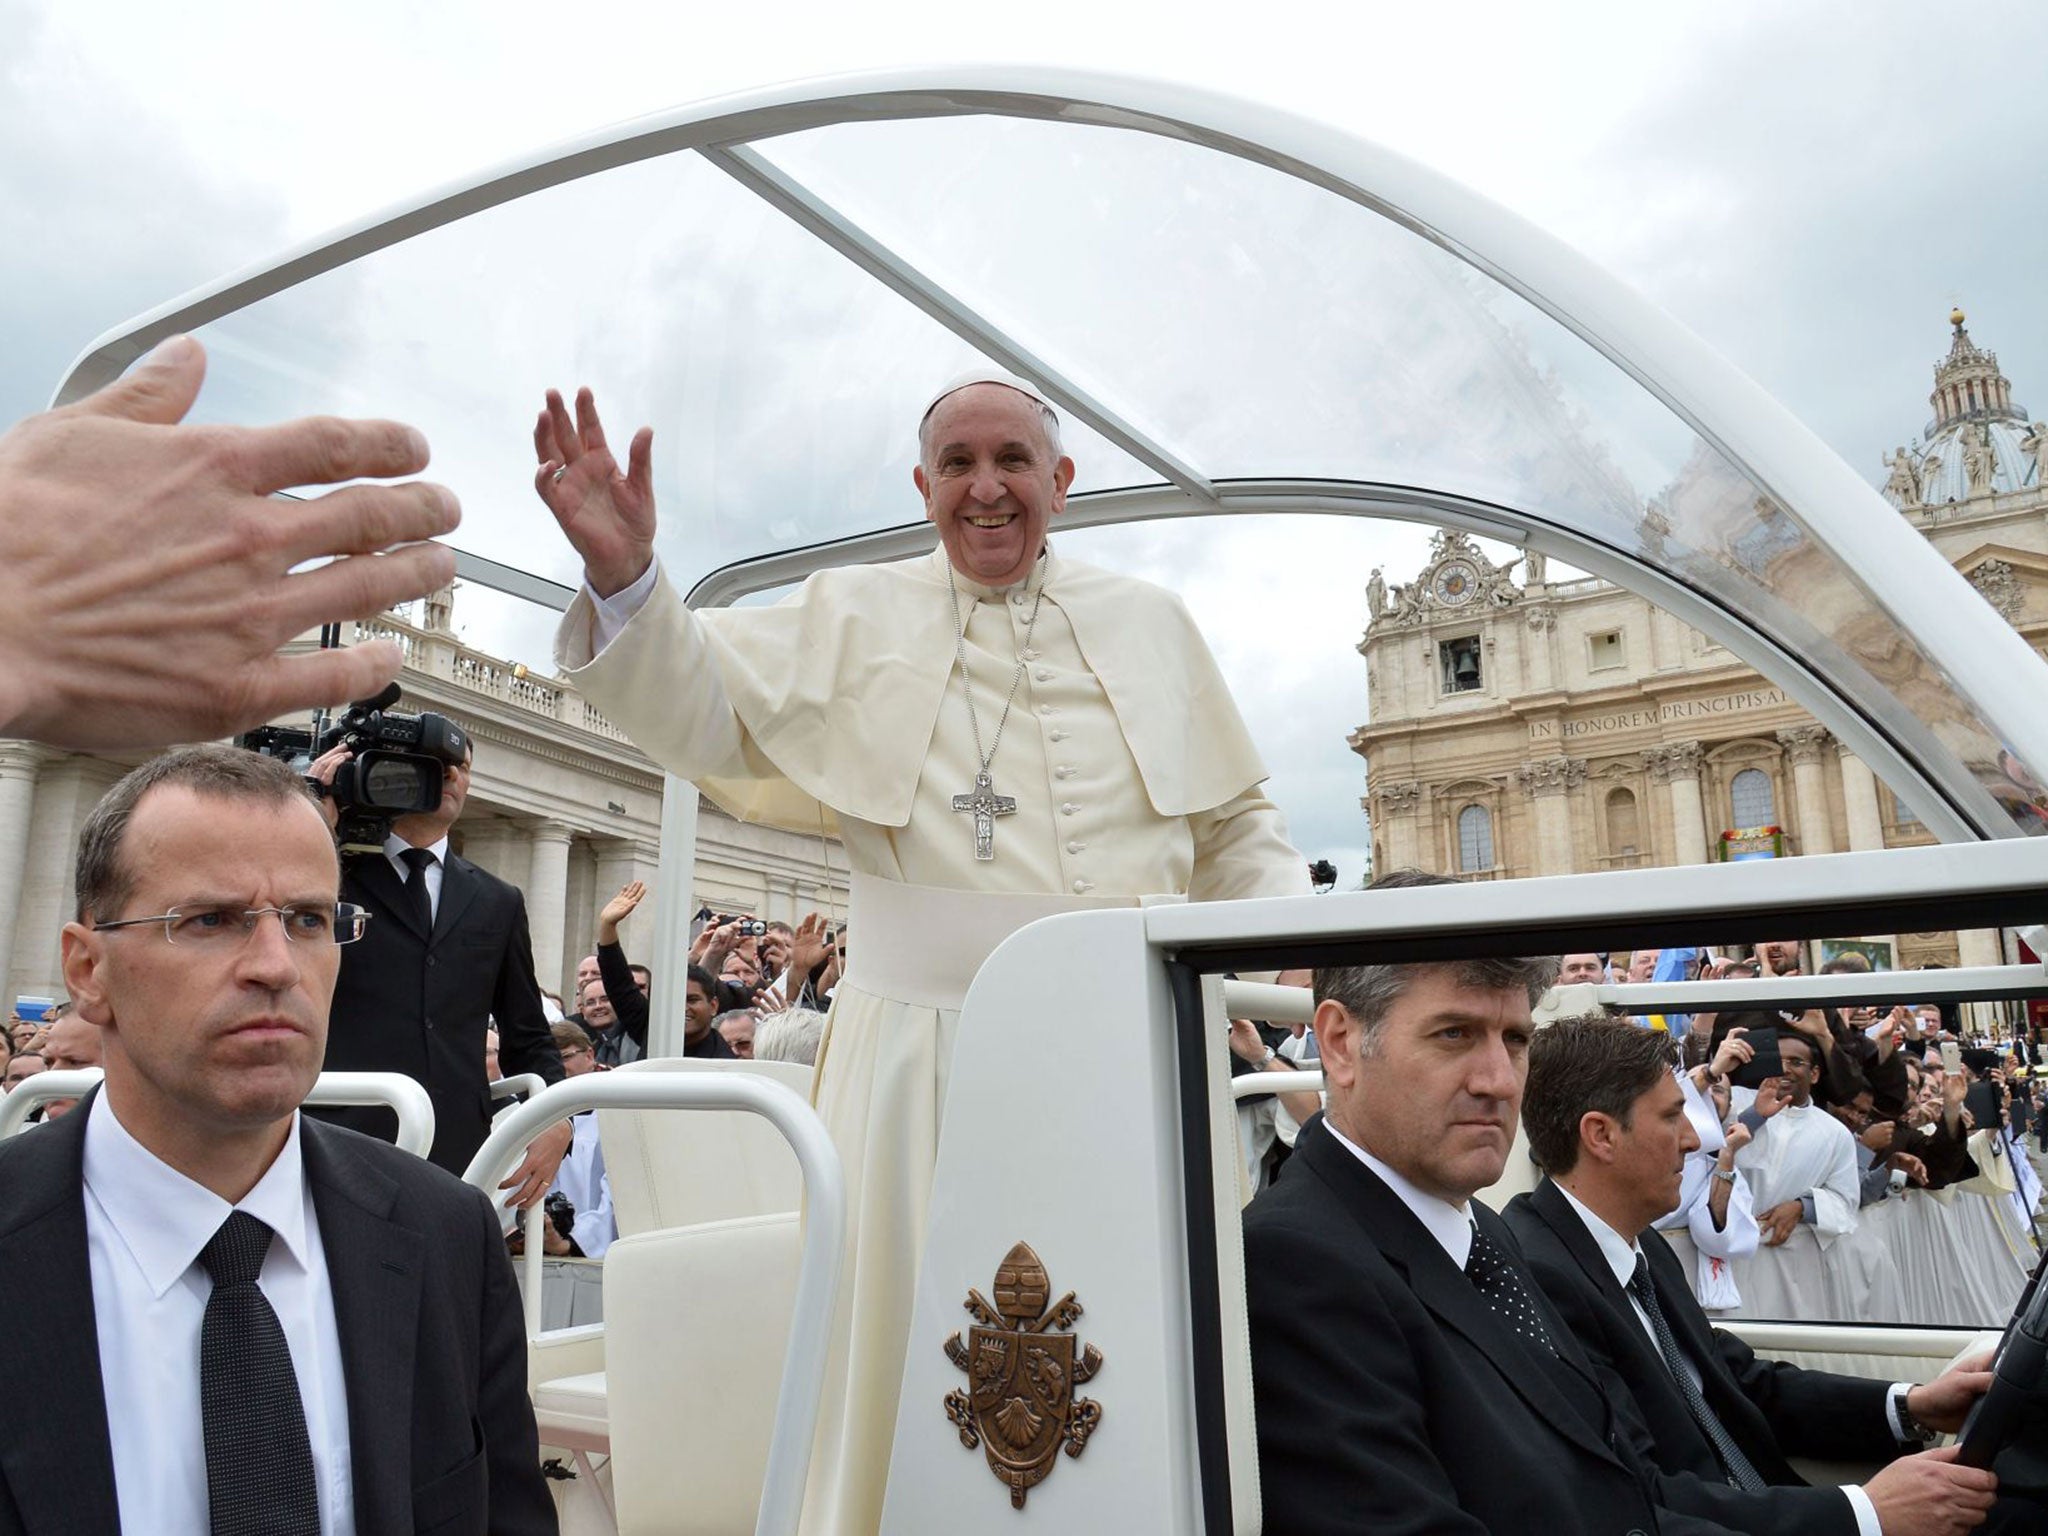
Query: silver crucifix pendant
{"points": [[986, 805]]}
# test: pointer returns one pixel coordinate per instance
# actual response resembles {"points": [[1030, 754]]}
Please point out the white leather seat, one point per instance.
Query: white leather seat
{"points": [[700, 1196], [700, 1321]]}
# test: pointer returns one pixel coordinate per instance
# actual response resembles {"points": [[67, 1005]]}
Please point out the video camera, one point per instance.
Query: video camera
{"points": [[396, 769]]}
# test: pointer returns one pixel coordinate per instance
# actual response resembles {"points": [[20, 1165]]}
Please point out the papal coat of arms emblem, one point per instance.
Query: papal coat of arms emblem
{"points": [[1019, 1404]]}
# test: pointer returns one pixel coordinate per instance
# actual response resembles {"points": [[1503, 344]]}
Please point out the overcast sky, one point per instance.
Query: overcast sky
{"points": [[1808, 188]]}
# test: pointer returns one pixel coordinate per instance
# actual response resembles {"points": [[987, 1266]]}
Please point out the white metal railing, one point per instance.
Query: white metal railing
{"points": [[528, 1083], [798, 1399], [393, 1090], [1262, 1000], [1301, 1080], [32, 1093], [1982, 983]]}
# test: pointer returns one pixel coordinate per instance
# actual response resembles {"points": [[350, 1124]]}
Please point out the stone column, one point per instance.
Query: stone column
{"points": [[1804, 744], [1859, 801], [1399, 804], [1549, 780], [1677, 764], [20, 762], [547, 891]]}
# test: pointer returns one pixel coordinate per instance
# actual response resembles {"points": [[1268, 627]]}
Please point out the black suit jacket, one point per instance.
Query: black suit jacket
{"points": [[1391, 1400], [433, 1346], [418, 1003], [1772, 1410]]}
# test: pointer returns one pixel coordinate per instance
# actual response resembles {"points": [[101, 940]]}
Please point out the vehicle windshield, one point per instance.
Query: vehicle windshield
{"points": [[1246, 329]]}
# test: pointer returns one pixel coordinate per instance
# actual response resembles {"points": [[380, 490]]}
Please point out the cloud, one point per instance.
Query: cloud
{"points": [[112, 210]]}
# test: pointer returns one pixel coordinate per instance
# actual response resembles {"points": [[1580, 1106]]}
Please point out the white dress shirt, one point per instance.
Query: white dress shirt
{"points": [[1450, 1225], [1620, 1254], [145, 1224], [394, 854]]}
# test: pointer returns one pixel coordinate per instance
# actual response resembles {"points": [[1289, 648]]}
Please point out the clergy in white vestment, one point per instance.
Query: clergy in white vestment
{"points": [[1801, 1168], [995, 733], [1714, 1222]]}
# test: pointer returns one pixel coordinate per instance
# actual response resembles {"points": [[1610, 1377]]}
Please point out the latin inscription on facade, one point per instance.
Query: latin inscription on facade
{"points": [[1668, 712]]}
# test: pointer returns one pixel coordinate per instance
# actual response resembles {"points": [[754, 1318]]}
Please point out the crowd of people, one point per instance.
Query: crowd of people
{"points": [[1847, 1157]]}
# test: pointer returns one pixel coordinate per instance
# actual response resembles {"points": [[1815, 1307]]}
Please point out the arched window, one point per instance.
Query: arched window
{"points": [[1624, 823], [1754, 803], [1475, 839]]}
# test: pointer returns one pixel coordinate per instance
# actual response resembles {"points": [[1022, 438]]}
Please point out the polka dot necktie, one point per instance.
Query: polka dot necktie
{"points": [[259, 1461], [1740, 1473], [1499, 1283]]}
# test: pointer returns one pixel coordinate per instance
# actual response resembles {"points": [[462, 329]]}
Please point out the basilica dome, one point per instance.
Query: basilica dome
{"points": [[1979, 442]]}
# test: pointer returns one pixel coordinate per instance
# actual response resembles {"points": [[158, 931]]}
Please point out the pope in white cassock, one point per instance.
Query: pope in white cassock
{"points": [[994, 732]]}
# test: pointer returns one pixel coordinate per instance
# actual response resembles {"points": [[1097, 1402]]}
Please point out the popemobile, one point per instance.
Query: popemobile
{"points": [[1237, 313]]}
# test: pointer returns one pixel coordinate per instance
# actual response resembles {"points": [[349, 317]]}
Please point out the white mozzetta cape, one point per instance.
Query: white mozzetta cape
{"points": [[838, 690]]}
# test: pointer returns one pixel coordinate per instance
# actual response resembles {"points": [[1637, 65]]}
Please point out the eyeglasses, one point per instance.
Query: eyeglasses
{"points": [[223, 927]]}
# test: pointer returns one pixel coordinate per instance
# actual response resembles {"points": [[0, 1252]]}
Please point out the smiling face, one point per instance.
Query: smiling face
{"points": [[224, 1037], [1802, 1066], [1436, 1093], [596, 1006], [991, 481]]}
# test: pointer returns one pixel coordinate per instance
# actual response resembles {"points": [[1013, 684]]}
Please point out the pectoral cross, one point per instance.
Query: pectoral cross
{"points": [[986, 805]]}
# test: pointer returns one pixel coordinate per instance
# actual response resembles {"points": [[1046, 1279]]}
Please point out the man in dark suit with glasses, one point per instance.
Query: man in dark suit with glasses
{"points": [[246, 1320]]}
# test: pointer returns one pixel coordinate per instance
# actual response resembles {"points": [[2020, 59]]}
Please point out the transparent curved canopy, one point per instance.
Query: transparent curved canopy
{"points": [[1239, 312]]}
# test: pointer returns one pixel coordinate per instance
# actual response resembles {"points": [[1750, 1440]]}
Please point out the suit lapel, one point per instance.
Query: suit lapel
{"points": [[379, 881], [1557, 1214], [1443, 1288], [376, 1268], [459, 886], [57, 1458]]}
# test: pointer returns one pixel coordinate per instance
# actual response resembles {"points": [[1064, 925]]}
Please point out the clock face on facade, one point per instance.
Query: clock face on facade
{"points": [[1455, 583]]}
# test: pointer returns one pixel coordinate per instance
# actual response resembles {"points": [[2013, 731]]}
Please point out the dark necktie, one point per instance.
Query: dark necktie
{"points": [[259, 1461], [419, 861], [1499, 1283], [1740, 1473]]}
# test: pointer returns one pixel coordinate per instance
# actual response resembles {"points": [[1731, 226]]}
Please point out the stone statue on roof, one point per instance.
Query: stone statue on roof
{"points": [[1903, 485], [1979, 463], [2036, 443], [1376, 593]]}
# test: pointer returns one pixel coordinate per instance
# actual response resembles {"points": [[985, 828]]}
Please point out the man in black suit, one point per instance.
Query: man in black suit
{"points": [[1607, 1123], [244, 1319], [1408, 1376], [447, 954]]}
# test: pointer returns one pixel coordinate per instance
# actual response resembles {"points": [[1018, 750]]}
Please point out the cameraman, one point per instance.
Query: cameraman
{"points": [[446, 952]]}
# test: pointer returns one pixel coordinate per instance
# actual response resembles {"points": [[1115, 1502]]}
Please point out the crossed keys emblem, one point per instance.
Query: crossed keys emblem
{"points": [[1019, 1404]]}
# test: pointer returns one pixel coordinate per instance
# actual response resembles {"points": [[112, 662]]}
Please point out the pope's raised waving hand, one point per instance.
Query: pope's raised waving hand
{"points": [[608, 515]]}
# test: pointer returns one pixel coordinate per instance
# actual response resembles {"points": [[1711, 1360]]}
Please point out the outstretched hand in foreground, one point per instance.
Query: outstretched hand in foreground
{"points": [[147, 573]]}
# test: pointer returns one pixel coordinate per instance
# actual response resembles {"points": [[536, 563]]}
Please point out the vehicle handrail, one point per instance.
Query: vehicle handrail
{"points": [[528, 1083], [26, 1096], [1964, 984], [797, 1400], [1971, 984], [1263, 1000], [1251, 1084], [395, 1091]]}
